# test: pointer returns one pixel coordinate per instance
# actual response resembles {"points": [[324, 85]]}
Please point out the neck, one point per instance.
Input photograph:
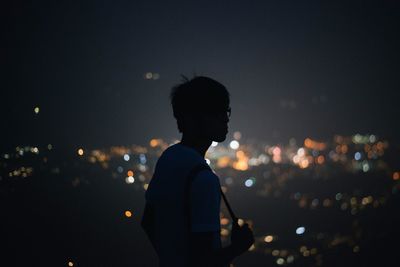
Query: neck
{"points": [[198, 144]]}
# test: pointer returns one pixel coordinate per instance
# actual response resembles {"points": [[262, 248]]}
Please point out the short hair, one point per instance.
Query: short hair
{"points": [[197, 95]]}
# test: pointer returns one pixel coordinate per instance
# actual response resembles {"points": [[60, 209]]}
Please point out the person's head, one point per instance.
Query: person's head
{"points": [[201, 108]]}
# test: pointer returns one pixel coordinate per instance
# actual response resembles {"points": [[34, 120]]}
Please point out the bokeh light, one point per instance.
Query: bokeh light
{"points": [[128, 213]]}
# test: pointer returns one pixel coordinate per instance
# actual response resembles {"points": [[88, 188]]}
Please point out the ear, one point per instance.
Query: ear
{"points": [[193, 122]]}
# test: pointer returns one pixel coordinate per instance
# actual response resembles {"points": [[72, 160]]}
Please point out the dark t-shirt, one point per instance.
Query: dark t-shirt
{"points": [[166, 193]]}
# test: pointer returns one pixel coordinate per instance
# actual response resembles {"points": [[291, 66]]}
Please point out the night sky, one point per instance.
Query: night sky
{"points": [[293, 68]]}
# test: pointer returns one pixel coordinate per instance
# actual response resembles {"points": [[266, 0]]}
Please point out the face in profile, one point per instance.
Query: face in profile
{"points": [[215, 125]]}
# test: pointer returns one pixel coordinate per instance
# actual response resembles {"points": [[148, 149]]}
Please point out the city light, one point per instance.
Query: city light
{"points": [[128, 213], [130, 180], [249, 183], [224, 221], [223, 162], [237, 135], [300, 230], [154, 142], [245, 168], [234, 144], [269, 238], [151, 76], [280, 261]]}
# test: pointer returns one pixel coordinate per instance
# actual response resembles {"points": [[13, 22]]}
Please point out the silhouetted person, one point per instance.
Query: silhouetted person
{"points": [[201, 108]]}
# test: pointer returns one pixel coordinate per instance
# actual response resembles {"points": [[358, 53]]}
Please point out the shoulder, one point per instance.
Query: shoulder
{"points": [[206, 176], [180, 149], [206, 181], [174, 164], [182, 156]]}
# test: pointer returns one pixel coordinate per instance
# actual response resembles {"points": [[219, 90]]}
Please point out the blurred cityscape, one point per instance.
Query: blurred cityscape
{"points": [[310, 202]]}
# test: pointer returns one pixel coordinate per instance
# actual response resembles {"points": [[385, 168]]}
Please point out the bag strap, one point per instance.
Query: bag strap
{"points": [[233, 216], [189, 181]]}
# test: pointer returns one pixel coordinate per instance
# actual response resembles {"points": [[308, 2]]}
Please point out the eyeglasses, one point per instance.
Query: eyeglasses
{"points": [[228, 112], [221, 114]]}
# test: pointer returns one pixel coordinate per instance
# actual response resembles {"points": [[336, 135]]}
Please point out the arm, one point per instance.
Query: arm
{"points": [[203, 254], [206, 221], [147, 223]]}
